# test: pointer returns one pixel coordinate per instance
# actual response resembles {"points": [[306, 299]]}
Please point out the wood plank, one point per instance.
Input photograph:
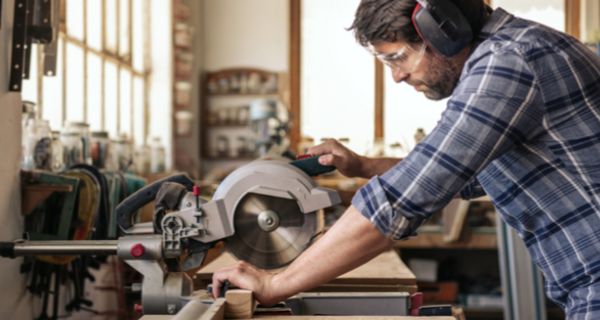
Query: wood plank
{"points": [[216, 311], [436, 241], [353, 318], [168, 317], [385, 269], [239, 304]]}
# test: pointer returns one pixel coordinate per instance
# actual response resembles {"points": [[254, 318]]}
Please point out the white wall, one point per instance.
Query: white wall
{"points": [[13, 296], [246, 33]]}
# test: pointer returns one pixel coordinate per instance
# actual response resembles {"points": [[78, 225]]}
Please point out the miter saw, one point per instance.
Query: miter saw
{"points": [[263, 211]]}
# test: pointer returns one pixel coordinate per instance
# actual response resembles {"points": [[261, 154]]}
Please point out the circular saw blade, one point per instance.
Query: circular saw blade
{"points": [[277, 247]]}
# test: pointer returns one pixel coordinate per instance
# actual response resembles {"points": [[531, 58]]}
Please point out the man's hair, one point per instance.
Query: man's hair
{"points": [[390, 20]]}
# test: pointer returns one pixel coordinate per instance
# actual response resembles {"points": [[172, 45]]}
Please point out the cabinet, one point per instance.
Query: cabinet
{"points": [[228, 130]]}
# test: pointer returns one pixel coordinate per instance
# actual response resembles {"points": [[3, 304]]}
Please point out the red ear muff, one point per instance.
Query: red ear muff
{"points": [[418, 8]]}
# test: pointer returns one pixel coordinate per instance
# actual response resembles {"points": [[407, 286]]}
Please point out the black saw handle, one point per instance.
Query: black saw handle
{"points": [[127, 208], [311, 166]]}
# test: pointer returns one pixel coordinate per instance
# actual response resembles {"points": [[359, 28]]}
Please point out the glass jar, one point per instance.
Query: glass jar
{"points": [[72, 148], [141, 160], [157, 156], [29, 112], [36, 145], [57, 160], [99, 149], [419, 135], [83, 129], [122, 153]]}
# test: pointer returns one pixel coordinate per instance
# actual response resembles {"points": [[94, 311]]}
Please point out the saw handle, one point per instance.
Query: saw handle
{"points": [[127, 208], [311, 166]]}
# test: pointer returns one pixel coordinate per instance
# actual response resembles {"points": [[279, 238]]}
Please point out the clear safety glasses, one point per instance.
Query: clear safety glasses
{"points": [[406, 59]]}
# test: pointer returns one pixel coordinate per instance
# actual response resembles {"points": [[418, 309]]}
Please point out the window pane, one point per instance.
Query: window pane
{"points": [[52, 94], [94, 23], [327, 90], [407, 110], [110, 98], [139, 30], [124, 28], [75, 18], [30, 86], [138, 111], [126, 108], [548, 12], [94, 92], [74, 83], [111, 25]]}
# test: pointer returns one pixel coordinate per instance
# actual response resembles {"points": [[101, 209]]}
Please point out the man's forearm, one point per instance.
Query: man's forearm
{"points": [[376, 166], [351, 242]]}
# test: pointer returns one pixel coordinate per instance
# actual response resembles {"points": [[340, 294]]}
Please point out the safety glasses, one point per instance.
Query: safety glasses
{"points": [[406, 59]]}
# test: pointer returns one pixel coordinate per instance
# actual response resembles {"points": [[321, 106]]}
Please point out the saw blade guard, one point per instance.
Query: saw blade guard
{"points": [[277, 184]]}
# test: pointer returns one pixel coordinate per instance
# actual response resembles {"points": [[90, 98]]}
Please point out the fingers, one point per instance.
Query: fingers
{"points": [[326, 147], [218, 280], [235, 275], [328, 160]]}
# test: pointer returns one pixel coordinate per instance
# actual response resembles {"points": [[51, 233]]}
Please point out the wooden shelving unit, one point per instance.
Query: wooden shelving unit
{"points": [[225, 111]]}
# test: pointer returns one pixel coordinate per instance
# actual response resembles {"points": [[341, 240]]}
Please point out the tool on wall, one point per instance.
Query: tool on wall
{"points": [[35, 22], [264, 211]]}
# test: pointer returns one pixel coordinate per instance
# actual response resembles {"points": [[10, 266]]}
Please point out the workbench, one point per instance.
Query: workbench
{"points": [[384, 273]]}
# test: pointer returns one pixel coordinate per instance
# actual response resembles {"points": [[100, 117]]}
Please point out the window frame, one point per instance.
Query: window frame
{"points": [[121, 62], [572, 18]]}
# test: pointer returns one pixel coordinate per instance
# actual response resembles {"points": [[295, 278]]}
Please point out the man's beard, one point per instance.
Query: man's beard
{"points": [[443, 78]]}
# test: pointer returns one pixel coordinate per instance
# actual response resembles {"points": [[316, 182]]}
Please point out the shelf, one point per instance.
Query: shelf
{"points": [[431, 237], [233, 94], [217, 126], [248, 158]]}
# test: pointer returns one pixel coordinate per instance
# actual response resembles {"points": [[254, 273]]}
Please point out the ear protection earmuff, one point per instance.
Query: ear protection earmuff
{"points": [[442, 26]]}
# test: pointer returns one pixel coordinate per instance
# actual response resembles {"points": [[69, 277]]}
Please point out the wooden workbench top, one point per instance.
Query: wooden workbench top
{"points": [[385, 269], [166, 317]]}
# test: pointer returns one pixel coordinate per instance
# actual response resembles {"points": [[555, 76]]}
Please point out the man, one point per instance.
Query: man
{"points": [[522, 125]]}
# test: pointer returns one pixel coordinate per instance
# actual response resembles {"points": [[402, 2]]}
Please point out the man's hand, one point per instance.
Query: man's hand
{"points": [[245, 275], [350, 164], [333, 153]]}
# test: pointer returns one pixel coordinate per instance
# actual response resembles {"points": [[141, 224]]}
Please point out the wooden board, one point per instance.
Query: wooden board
{"points": [[353, 318], [385, 272], [166, 317]]}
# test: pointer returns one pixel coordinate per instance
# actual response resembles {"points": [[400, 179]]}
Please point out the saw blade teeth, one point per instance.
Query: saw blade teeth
{"points": [[276, 247]]}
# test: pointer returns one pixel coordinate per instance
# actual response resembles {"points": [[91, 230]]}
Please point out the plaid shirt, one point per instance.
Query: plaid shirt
{"points": [[523, 127]]}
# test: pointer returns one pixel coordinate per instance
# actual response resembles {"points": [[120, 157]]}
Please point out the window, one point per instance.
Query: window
{"points": [[103, 70], [548, 12], [337, 76]]}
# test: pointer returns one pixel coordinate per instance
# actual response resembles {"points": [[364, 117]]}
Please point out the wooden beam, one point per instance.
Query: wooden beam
{"points": [[295, 72], [379, 104], [573, 18], [239, 304]]}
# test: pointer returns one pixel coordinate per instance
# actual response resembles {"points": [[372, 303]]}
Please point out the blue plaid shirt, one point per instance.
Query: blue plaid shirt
{"points": [[523, 127]]}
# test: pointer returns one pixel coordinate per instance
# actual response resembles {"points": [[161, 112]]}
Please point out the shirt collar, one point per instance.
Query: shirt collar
{"points": [[497, 20]]}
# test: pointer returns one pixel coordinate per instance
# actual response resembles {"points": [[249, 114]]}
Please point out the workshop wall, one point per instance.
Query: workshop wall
{"points": [[250, 33], [14, 302]]}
